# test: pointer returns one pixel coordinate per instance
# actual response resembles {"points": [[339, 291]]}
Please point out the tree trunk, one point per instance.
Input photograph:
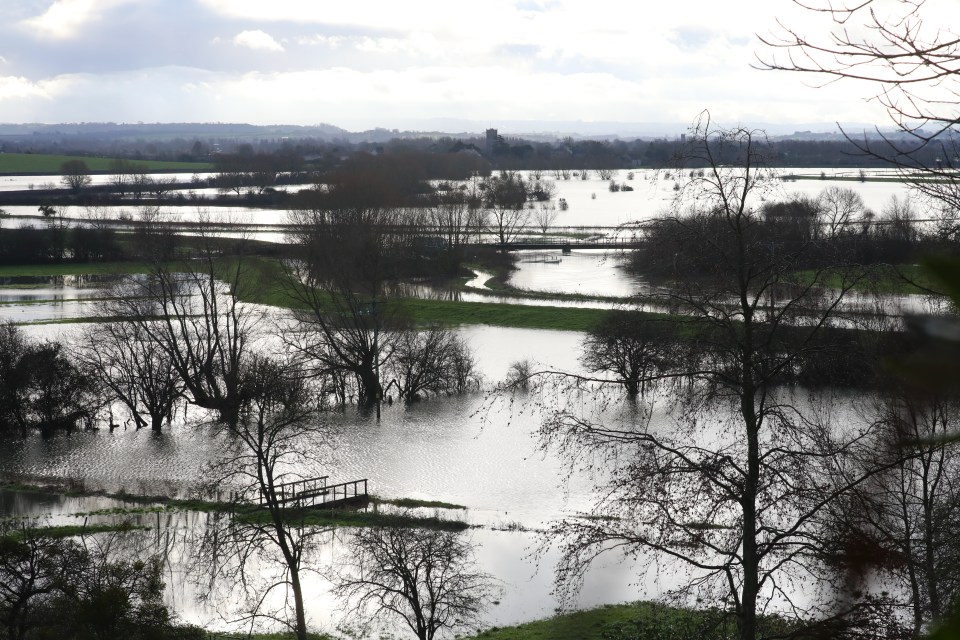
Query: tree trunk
{"points": [[370, 390], [301, 628]]}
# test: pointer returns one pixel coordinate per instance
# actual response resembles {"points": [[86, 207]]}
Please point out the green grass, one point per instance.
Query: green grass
{"points": [[71, 530], [595, 624], [353, 518], [635, 621], [261, 282], [71, 269], [898, 279], [501, 315], [265, 636], [37, 163], [411, 503], [316, 517]]}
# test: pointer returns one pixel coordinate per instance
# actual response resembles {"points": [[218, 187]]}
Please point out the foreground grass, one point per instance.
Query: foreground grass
{"points": [[38, 163], [634, 621], [266, 636]]}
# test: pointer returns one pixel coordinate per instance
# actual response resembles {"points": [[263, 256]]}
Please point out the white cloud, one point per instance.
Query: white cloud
{"points": [[320, 40], [19, 88], [257, 40], [66, 18]]}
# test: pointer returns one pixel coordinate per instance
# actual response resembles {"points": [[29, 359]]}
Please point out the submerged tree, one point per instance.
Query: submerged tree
{"points": [[75, 175], [346, 256], [736, 488], [41, 388], [433, 360], [907, 515], [629, 345], [191, 310], [135, 369]]}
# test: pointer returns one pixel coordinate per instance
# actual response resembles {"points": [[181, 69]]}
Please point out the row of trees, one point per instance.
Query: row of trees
{"points": [[183, 333]]}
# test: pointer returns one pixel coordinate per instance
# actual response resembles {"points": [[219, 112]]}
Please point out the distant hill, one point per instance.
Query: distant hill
{"points": [[437, 127], [161, 131]]}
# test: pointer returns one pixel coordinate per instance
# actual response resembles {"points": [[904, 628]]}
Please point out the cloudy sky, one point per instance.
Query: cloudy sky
{"points": [[359, 64]]}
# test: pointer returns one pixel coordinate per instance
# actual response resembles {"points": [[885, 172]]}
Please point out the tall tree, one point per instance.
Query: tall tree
{"points": [[346, 256], [278, 433], [908, 55], [137, 370], [735, 486]]}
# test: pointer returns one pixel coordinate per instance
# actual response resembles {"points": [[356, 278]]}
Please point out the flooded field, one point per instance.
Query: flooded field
{"points": [[479, 450]]}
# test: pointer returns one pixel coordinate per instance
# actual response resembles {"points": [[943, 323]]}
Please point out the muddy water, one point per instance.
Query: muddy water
{"points": [[467, 450]]}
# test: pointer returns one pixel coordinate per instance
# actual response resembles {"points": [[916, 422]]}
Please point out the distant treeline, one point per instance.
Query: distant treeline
{"points": [[445, 155]]}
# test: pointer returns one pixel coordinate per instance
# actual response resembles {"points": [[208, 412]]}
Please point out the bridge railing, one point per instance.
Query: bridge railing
{"points": [[316, 491], [288, 491]]}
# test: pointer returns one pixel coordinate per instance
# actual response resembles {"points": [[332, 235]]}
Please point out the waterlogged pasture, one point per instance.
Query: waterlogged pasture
{"points": [[476, 450], [467, 450], [590, 202]]}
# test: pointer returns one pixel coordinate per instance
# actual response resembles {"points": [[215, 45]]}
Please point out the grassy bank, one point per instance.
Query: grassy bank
{"points": [[72, 269], [634, 621], [321, 518], [44, 164]]}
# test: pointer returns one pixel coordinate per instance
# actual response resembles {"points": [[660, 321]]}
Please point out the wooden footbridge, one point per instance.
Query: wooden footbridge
{"points": [[317, 494]]}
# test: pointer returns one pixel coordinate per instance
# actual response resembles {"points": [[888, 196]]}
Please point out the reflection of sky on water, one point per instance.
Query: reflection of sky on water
{"points": [[590, 202], [464, 450], [598, 273]]}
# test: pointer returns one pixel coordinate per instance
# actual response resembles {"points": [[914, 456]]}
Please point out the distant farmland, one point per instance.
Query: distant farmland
{"points": [[41, 164]]}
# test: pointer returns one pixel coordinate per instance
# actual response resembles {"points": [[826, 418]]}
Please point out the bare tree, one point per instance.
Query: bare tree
{"points": [[505, 198], [736, 490], [346, 256], [75, 175], [899, 217], [911, 57], [433, 360], [138, 179], [277, 438], [121, 175], [160, 186], [135, 369], [909, 512], [840, 209], [629, 345], [544, 217], [425, 578]]}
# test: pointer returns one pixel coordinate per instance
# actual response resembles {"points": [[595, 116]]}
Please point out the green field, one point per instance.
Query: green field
{"points": [[635, 621], [42, 164]]}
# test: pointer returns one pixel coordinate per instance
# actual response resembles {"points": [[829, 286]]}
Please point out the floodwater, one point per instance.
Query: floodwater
{"points": [[28, 183], [469, 450], [474, 450], [584, 272], [590, 202]]}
